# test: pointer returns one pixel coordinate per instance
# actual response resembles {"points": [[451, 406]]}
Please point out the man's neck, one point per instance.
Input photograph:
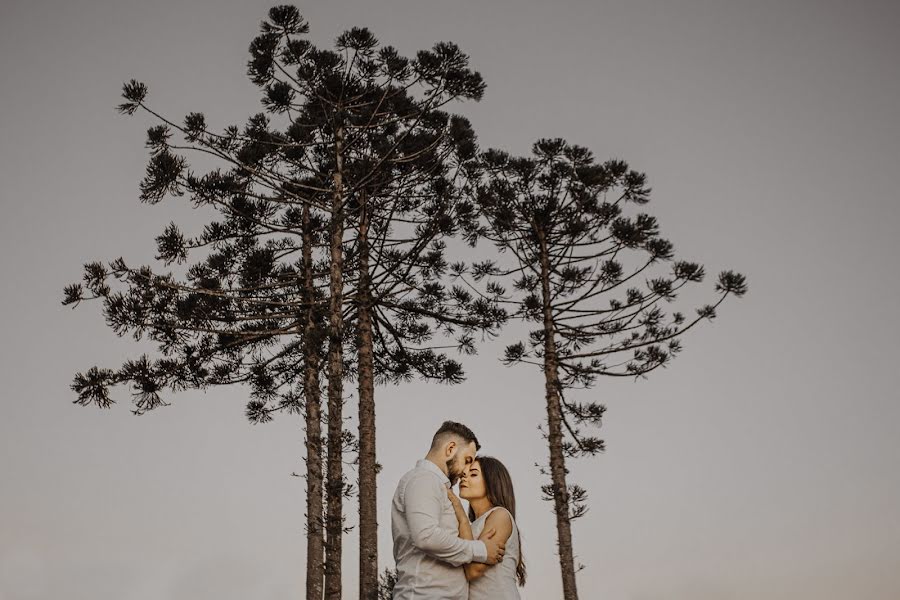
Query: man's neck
{"points": [[438, 463]]}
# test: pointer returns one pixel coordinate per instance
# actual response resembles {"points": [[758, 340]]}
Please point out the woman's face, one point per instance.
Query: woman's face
{"points": [[471, 484]]}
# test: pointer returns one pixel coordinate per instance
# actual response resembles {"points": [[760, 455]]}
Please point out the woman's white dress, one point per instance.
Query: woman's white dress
{"points": [[498, 581]]}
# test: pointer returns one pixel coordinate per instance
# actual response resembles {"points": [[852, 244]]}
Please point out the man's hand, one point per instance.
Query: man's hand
{"points": [[495, 548]]}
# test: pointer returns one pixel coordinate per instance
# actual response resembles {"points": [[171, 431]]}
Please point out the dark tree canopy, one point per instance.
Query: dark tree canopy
{"points": [[561, 205], [401, 153]]}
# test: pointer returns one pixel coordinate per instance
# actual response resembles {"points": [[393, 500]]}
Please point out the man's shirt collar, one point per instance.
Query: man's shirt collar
{"points": [[427, 464]]}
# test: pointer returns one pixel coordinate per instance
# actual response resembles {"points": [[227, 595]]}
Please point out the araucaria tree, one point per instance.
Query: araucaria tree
{"points": [[584, 273], [396, 160], [327, 258]]}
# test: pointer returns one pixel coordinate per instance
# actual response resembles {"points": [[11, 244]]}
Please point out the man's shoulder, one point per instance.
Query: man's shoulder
{"points": [[419, 475], [419, 472]]}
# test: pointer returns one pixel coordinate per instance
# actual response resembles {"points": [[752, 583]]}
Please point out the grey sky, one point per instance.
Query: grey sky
{"points": [[761, 464]]}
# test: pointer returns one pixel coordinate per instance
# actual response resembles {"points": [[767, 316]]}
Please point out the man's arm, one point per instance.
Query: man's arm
{"points": [[423, 500]]}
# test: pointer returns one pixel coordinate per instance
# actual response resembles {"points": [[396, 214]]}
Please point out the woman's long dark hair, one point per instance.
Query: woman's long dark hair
{"points": [[499, 487]]}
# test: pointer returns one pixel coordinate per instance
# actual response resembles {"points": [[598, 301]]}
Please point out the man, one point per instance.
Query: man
{"points": [[427, 548]]}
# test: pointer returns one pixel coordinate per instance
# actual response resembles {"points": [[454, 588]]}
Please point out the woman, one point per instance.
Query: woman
{"points": [[492, 506]]}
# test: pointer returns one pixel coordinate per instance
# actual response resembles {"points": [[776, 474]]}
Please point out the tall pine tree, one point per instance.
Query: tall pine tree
{"points": [[398, 159], [582, 271]]}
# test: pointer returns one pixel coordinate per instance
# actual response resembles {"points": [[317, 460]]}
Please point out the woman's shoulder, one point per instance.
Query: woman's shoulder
{"points": [[499, 517]]}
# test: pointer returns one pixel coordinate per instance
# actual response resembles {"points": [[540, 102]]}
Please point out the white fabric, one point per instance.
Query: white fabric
{"points": [[498, 581], [427, 548]]}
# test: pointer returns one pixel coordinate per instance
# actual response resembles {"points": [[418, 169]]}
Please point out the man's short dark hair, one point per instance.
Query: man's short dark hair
{"points": [[457, 429]]}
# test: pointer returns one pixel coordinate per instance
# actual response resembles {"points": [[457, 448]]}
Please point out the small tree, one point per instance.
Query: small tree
{"points": [[386, 583], [560, 215]]}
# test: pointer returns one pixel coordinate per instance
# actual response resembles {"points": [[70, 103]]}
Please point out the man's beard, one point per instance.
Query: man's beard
{"points": [[452, 474]]}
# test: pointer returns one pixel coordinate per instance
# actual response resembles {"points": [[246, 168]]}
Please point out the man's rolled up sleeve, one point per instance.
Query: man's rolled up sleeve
{"points": [[480, 552]]}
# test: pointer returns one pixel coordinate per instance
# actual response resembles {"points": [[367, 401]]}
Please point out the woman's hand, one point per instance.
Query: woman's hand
{"points": [[462, 519], [456, 502]]}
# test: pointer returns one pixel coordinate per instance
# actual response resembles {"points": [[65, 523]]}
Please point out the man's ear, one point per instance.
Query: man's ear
{"points": [[449, 449]]}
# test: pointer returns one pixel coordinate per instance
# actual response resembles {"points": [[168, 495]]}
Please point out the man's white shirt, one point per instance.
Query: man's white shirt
{"points": [[427, 548]]}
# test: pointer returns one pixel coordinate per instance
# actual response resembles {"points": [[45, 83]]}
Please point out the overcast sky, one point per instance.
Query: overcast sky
{"points": [[761, 464]]}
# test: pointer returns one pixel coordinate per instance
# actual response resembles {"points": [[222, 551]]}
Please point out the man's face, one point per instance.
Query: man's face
{"points": [[460, 461]]}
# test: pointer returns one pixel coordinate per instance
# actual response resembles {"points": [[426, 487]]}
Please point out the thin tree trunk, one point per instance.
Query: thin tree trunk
{"points": [[554, 423], [368, 521], [315, 542], [334, 522]]}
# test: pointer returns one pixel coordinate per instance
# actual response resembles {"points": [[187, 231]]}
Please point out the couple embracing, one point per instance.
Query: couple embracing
{"points": [[443, 552]]}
